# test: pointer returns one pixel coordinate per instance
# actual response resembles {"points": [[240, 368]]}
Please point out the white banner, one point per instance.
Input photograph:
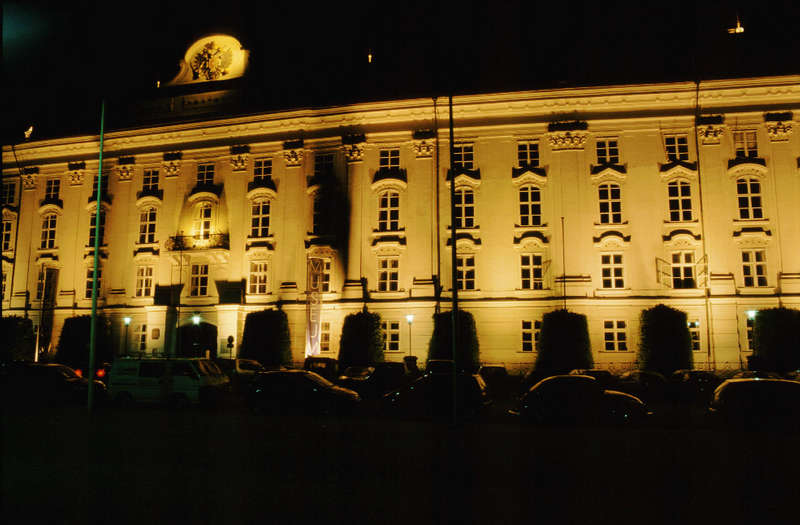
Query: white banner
{"points": [[316, 269]]}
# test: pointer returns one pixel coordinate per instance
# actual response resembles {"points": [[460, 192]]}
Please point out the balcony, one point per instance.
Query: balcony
{"points": [[214, 241], [151, 192]]}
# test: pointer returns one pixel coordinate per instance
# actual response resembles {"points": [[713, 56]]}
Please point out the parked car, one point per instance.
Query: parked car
{"points": [[26, 384], [500, 384], [763, 374], [327, 367], [300, 392], [651, 387], [432, 396], [240, 371], [371, 382], [606, 379], [579, 400], [177, 381], [693, 386], [757, 403]]}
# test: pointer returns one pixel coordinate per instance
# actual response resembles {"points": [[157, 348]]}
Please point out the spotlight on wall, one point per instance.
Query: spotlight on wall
{"points": [[126, 320], [196, 319], [751, 314]]}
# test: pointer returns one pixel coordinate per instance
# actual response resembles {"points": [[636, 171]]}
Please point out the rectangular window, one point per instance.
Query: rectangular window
{"points": [[694, 334], [7, 236], [52, 188], [683, 269], [388, 274], [389, 211], [259, 218], [5, 276], [323, 164], [140, 336], [325, 337], [150, 180], [391, 330], [147, 226], [90, 280], [607, 151], [465, 272], [8, 194], [610, 200], [612, 270], [677, 147], [754, 268], [205, 174], [680, 201], [262, 169], [530, 206], [48, 232], [199, 280], [389, 158], [748, 192], [532, 271], [745, 144], [258, 278], [528, 154], [144, 281], [465, 208], [614, 336], [40, 282], [749, 331], [326, 275], [93, 227], [463, 156], [531, 330]]}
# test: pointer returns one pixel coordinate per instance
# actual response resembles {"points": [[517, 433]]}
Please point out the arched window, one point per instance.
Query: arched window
{"points": [[610, 198], [49, 222], [680, 201], [389, 211], [530, 206], [465, 208], [259, 218], [202, 221], [147, 226], [749, 194]]}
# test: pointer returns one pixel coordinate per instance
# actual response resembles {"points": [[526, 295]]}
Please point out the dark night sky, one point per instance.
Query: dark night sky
{"points": [[59, 58]]}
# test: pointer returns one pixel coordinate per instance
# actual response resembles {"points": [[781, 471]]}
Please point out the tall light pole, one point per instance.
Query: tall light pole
{"points": [[410, 319], [127, 321]]}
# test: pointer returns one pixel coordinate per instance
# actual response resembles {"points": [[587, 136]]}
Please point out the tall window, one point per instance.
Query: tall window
{"points": [[325, 337], [388, 274], [7, 235], [90, 279], [140, 336], [750, 328], [93, 227], [150, 180], [680, 201], [612, 270], [202, 221], [205, 174], [323, 164], [389, 158], [607, 151], [532, 271], [5, 277], [528, 154], [391, 330], [40, 282], [147, 226], [754, 268], [52, 188], [316, 215], [144, 281], [262, 169], [745, 144], [531, 330], [465, 272], [8, 194], [614, 336], [48, 231], [683, 269], [258, 278], [199, 281], [530, 206], [465, 208], [749, 194], [259, 218], [463, 156], [326, 275], [610, 197], [677, 147], [694, 335], [389, 211]]}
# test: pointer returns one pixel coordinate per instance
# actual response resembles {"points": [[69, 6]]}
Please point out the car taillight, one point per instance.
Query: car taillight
{"points": [[101, 372], [79, 372]]}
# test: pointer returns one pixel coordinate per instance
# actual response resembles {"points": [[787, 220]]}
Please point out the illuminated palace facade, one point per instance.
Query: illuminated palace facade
{"points": [[608, 200]]}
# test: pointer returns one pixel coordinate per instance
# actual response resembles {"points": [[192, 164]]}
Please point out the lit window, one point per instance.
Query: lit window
{"points": [[147, 226], [532, 271], [150, 180], [199, 280], [531, 330], [607, 151], [530, 206], [465, 272], [389, 211], [389, 158], [7, 225], [680, 201], [205, 174], [93, 227], [325, 337], [144, 281], [90, 281], [391, 330], [5, 276], [52, 189], [677, 147], [528, 154], [683, 269], [258, 278], [323, 164], [749, 198], [202, 221], [463, 156], [694, 334], [259, 218], [610, 198], [612, 270], [750, 327], [262, 169], [465, 208], [745, 144], [8, 194], [614, 336], [48, 231], [754, 268], [388, 274]]}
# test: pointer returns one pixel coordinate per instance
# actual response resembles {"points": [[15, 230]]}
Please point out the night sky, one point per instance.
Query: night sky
{"points": [[61, 58]]}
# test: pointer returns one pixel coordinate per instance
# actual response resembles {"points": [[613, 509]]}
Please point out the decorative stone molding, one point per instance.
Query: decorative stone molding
{"points": [[353, 152], [28, 181], [239, 162], [125, 172], [423, 148], [171, 168], [75, 177], [606, 172], [779, 131], [293, 157], [711, 134], [567, 140], [529, 175], [610, 240]]}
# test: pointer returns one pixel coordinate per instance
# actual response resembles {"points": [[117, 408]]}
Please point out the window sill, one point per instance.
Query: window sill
{"points": [[756, 290], [395, 294], [751, 222], [260, 298], [610, 225], [617, 352], [612, 292]]}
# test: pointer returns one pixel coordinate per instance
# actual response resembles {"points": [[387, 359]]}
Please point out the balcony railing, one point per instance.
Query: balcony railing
{"points": [[212, 241]]}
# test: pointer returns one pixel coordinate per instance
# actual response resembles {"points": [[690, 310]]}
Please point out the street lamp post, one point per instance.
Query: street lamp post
{"points": [[410, 319], [127, 321]]}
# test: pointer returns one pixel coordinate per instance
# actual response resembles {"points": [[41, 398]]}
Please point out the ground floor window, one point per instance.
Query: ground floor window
{"points": [[199, 281], [392, 331], [694, 333], [615, 336], [530, 335]]}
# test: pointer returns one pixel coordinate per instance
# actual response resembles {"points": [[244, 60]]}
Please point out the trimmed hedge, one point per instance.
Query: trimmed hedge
{"points": [[362, 340], [73, 343], [666, 344], [468, 350], [266, 338], [776, 339], [18, 340], [563, 343]]}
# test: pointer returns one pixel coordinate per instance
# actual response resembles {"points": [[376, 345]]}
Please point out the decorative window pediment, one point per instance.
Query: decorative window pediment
{"points": [[51, 208], [528, 175], [752, 236], [611, 240], [205, 192], [677, 239], [390, 178], [261, 189], [747, 166], [531, 241], [465, 241], [678, 168], [465, 177], [779, 126], [383, 241], [146, 201], [602, 172]]}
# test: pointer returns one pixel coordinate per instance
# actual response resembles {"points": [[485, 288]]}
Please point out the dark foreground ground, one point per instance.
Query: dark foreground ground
{"points": [[154, 465]]}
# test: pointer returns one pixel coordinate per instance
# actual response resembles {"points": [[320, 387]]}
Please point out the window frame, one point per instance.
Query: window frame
{"points": [[389, 158], [144, 280], [93, 227], [614, 280], [148, 219], [7, 235], [533, 282], [389, 273], [532, 217], [205, 173], [89, 281], [679, 279], [682, 203], [262, 168], [198, 284], [49, 231], [464, 222], [610, 202], [258, 280], [754, 272], [745, 144], [607, 150], [389, 211], [150, 179], [52, 189], [531, 332], [464, 155], [679, 149], [528, 154], [750, 203], [202, 223], [465, 273], [391, 332], [615, 328], [258, 218]]}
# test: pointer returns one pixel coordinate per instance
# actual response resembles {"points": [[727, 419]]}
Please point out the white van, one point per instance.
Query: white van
{"points": [[177, 381]]}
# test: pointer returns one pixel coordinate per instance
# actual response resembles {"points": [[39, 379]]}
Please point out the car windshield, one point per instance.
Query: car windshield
{"points": [[319, 379]]}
